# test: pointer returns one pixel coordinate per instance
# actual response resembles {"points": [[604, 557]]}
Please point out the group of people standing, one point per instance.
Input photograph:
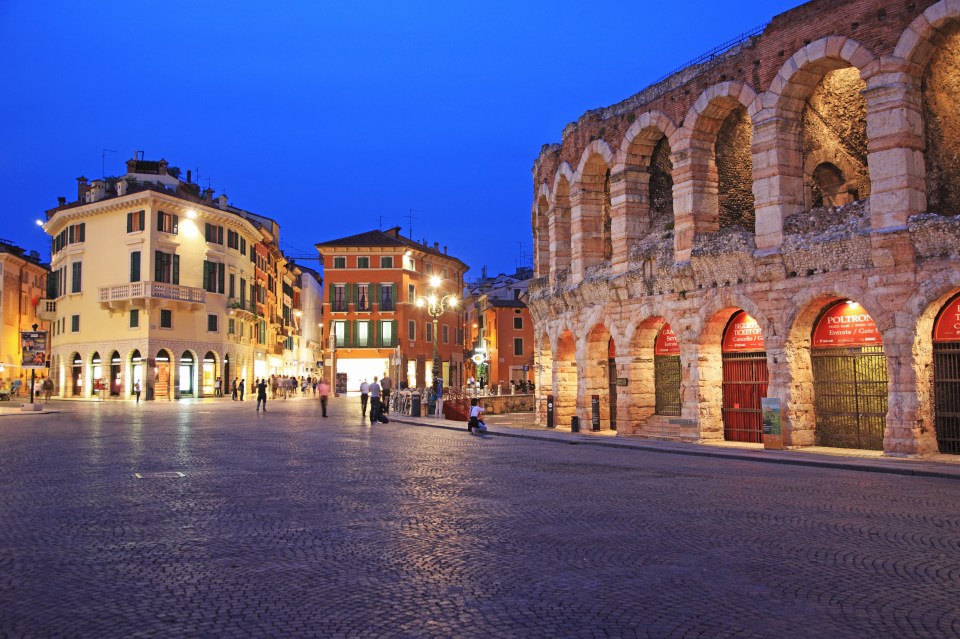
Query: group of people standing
{"points": [[289, 385], [378, 395]]}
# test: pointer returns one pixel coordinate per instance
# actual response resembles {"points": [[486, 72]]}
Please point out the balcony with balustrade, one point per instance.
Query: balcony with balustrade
{"points": [[47, 310], [121, 297]]}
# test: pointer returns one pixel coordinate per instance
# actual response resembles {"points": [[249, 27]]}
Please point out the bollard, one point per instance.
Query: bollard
{"points": [[574, 424]]}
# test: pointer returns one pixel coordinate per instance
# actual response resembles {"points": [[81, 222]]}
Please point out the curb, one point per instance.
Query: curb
{"points": [[865, 466]]}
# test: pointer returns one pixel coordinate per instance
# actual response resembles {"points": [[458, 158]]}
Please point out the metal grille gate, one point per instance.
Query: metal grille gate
{"points": [[850, 396], [612, 386], [946, 393], [745, 379], [666, 382]]}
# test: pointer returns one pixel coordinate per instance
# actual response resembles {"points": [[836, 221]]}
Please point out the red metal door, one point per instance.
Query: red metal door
{"points": [[745, 379]]}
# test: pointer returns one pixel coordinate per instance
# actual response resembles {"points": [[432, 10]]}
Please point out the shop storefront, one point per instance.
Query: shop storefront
{"points": [[745, 379]]}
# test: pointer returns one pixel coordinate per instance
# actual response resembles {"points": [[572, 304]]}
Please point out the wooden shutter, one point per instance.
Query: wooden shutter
{"points": [[176, 268], [135, 266], [157, 266], [393, 331], [129, 223]]}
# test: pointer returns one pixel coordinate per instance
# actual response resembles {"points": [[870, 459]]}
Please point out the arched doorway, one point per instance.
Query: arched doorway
{"points": [[161, 387], [187, 366], [946, 377], [76, 376], [745, 379], [136, 372], [115, 377], [97, 383], [849, 378], [666, 372], [612, 377], [209, 374]]}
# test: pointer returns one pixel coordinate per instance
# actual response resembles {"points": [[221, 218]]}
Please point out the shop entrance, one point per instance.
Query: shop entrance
{"points": [[208, 384], [186, 374], [97, 383], [136, 361], [612, 381], [76, 376], [162, 386], [666, 372], [946, 377], [115, 365], [745, 379], [849, 379]]}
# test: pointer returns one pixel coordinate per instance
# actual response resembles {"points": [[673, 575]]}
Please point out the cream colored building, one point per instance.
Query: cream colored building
{"points": [[156, 282], [21, 288]]}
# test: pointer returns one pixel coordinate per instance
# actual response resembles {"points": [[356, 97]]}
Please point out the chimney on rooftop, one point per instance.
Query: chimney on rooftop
{"points": [[188, 176], [61, 201], [222, 201], [436, 246], [444, 249], [82, 187]]}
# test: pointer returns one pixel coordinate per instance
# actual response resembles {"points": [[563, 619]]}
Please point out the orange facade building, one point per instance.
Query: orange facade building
{"points": [[371, 284]]}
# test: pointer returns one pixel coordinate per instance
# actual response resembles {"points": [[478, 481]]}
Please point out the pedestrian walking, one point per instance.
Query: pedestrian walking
{"points": [[324, 389], [47, 389], [374, 391], [364, 396], [242, 388], [262, 393], [136, 390], [233, 390], [386, 386]]}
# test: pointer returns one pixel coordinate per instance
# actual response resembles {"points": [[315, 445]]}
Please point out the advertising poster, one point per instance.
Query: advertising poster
{"points": [[771, 415], [34, 348]]}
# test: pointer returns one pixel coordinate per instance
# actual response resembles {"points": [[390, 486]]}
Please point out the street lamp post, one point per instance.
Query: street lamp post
{"points": [[436, 305]]}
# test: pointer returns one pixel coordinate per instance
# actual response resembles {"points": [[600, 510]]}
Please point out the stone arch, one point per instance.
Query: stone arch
{"points": [[929, 51], [565, 377], [544, 375], [592, 212], [714, 166], [778, 148], [643, 181], [559, 225], [541, 233], [706, 368], [76, 374], [136, 369], [594, 375], [641, 372], [164, 377]]}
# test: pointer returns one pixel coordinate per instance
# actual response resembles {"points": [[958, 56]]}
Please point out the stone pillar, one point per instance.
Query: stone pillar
{"points": [[895, 149], [565, 389], [778, 177], [907, 432], [701, 390], [695, 202], [630, 201]]}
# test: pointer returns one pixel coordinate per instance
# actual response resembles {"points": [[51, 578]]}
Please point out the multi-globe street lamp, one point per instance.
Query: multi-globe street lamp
{"points": [[436, 304]]}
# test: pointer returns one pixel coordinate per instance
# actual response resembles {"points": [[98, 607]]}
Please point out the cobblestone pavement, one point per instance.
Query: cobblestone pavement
{"points": [[284, 524]]}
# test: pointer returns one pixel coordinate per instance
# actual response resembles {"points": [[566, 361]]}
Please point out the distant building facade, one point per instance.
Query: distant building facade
{"points": [[153, 281], [499, 330], [21, 289], [372, 281]]}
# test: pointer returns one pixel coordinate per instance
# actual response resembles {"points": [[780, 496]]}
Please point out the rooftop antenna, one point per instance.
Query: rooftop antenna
{"points": [[410, 213], [103, 161], [380, 225]]}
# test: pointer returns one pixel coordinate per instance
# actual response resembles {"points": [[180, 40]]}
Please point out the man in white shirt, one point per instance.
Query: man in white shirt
{"points": [[374, 390], [364, 395]]}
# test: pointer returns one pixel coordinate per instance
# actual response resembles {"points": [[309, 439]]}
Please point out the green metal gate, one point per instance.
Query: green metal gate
{"points": [[946, 393], [666, 382], [850, 396]]}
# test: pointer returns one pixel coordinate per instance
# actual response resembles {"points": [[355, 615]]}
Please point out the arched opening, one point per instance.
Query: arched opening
{"points": [[560, 231], [591, 226], [834, 134], [734, 157], [162, 386], [542, 237], [745, 379], [97, 381], [116, 378], [186, 372], [600, 367], [136, 372], [849, 378], [209, 377], [667, 372], [565, 371], [544, 380], [940, 91], [661, 187], [946, 377], [76, 376]]}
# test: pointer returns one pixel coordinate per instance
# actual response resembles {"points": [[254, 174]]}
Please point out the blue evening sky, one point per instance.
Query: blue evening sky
{"points": [[333, 118]]}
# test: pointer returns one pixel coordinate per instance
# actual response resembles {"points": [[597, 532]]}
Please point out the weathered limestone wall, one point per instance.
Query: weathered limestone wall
{"points": [[709, 186]]}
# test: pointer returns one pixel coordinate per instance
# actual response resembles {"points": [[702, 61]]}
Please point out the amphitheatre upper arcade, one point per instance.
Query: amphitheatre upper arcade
{"points": [[780, 219]]}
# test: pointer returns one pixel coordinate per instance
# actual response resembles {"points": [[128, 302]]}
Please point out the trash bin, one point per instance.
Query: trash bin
{"points": [[574, 424], [415, 405]]}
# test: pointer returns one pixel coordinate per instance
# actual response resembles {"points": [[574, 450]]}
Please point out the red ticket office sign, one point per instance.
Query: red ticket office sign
{"points": [[846, 324], [743, 335], [666, 344], [947, 327]]}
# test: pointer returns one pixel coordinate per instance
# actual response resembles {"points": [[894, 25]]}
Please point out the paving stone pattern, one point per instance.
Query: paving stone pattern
{"points": [[288, 525]]}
